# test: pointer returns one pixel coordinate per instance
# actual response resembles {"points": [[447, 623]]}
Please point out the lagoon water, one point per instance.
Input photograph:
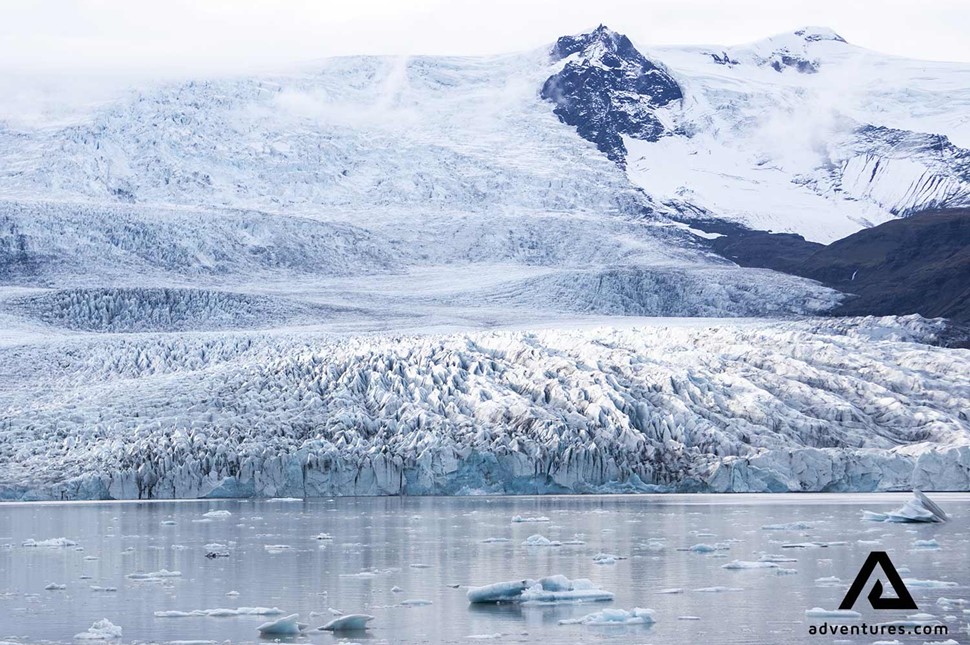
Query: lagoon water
{"points": [[428, 546]]}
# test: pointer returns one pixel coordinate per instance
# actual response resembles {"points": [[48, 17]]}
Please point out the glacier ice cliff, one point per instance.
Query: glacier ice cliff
{"points": [[815, 405]]}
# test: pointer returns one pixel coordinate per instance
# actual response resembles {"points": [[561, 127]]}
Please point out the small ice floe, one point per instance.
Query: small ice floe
{"points": [[806, 545], [55, 587], [845, 614], [539, 540], [103, 589], [285, 626], [396, 589], [786, 572], [636, 616], [770, 557], [791, 526], [747, 564], [323, 536], [419, 565], [606, 558], [549, 590], [415, 602], [573, 542], [348, 623], [232, 594], [671, 591], [702, 548], [688, 617], [718, 589], [495, 540], [919, 509], [951, 602], [929, 545], [929, 584], [277, 548], [828, 581], [167, 522], [519, 519], [154, 575], [221, 613], [217, 515], [52, 542], [102, 630]]}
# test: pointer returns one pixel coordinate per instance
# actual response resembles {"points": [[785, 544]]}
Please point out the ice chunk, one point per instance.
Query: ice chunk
{"points": [[718, 589], [539, 540], [551, 591], [323, 536], [818, 612], [104, 589], [495, 540], [931, 584], [154, 575], [396, 589], [499, 591], [606, 558], [519, 519], [348, 623], [285, 626], [702, 548], [744, 564], [635, 616], [102, 630], [55, 587], [221, 514], [52, 542], [926, 544], [918, 509], [791, 526]]}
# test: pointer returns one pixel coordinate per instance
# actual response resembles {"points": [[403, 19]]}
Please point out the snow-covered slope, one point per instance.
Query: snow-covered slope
{"points": [[806, 133], [839, 405]]}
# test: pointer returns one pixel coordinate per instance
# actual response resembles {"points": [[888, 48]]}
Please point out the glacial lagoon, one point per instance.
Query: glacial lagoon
{"points": [[409, 562]]}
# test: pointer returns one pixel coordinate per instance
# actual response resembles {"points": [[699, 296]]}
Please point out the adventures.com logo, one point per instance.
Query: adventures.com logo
{"points": [[902, 599]]}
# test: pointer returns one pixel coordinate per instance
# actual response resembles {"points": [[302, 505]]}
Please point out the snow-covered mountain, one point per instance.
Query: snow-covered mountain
{"points": [[227, 285]]}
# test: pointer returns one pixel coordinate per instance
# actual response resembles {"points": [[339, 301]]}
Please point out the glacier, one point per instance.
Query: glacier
{"points": [[465, 275], [754, 405]]}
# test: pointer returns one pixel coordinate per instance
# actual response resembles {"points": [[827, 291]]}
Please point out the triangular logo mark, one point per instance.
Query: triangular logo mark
{"points": [[903, 599]]}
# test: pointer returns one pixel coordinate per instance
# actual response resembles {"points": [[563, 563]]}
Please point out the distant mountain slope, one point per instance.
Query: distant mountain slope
{"points": [[917, 265]]}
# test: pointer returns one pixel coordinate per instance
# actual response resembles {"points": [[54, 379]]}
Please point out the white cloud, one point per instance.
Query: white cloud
{"points": [[189, 37]]}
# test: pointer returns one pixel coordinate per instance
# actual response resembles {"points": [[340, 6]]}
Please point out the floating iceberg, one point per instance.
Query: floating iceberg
{"points": [[55, 587], [930, 584], [550, 590], [348, 623], [818, 612], [217, 514], [53, 542], [791, 526], [286, 626], [743, 564], [635, 616], [102, 630], [539, 540], [518, 519], [154, 575], [919, 509]]}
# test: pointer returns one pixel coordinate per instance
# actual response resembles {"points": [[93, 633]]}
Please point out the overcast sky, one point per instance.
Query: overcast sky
{"points": [[236, 35]]}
